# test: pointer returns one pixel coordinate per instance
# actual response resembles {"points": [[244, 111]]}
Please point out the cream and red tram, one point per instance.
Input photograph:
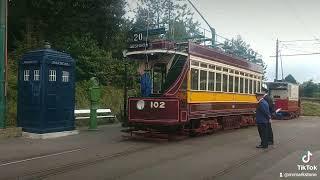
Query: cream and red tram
{"points": [[195, 89]]}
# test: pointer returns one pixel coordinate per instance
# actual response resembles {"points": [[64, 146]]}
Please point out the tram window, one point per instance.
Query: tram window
{"points": [[26, 75], [225, 83], [250, 86], [211, 81], [203, 80], [159, 73], [246, 86], [241, 85], [184, 84], [194, 79], [212, 67], [195, 63], [258, 88], [231, 71], [254, 86], [218, 68], [236, 84], [218, 82], [36, 75], [204, 65], [231, 84], [241, 73], [236, 72]]}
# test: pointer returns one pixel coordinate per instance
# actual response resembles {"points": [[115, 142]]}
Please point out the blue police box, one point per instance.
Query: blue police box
{"points": [[46, 92]]}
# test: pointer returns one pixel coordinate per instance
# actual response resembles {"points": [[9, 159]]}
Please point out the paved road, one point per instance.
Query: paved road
{"points": [[103, 155]]}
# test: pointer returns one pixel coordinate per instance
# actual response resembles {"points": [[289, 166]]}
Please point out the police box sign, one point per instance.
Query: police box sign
{"points": [[60, 63]]}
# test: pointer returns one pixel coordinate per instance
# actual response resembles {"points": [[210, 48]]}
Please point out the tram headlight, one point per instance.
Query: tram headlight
{"points": [[140, 105]]}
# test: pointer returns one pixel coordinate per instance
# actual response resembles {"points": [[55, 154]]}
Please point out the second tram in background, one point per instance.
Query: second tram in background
{"points": [[286, 99]]}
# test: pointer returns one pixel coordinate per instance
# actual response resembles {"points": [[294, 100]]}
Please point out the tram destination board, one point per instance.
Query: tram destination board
{"points": [[138, 39]]}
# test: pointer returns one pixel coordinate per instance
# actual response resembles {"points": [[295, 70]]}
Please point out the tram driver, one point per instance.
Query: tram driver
{"points": [[145, 80]]}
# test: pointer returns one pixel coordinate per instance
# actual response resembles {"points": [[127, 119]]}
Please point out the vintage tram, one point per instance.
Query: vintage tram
{"points": [[286, 99], [194, 89]]}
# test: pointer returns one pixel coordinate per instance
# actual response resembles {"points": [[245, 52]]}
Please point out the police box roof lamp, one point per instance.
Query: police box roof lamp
{"points": [[47, 45]]}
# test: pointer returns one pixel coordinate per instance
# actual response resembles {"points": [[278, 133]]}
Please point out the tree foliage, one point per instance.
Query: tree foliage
{"points": [[173, 15], [310, 89], [238, 47]]}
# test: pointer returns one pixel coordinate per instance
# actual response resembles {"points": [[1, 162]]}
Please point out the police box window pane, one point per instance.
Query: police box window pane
{"points": [[211, 81], [203, 80], [241, 85], [36, 75], [194, 79], [26, 75], [230, 83], [65, 76], [52, 75], [236, 84], [218, 82], [225, 83]]}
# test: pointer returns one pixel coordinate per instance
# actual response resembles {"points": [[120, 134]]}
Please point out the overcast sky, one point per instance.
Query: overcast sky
{"points": [[261, 22]]}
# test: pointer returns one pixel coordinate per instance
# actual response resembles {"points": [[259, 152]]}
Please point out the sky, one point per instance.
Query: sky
{"points": [[261, 22]]}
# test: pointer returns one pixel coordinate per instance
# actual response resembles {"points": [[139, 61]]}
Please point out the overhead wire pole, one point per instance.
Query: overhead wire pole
{"points": [[213, 31], [277, 59], [3, 56]]}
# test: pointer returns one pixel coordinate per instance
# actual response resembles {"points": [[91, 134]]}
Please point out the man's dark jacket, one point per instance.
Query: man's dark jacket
{"points": [[263, 114]]}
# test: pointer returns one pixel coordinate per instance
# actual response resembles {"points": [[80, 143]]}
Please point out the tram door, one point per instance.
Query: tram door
{"points": [[158, 78]]}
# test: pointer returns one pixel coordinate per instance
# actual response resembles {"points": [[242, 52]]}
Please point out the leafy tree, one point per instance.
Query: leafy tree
{"points": [[289, 78], [238, 47], [309, 89], [174, 15]]}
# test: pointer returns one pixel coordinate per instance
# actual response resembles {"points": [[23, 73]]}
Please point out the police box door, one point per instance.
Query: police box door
{"points": [[30, 94]]}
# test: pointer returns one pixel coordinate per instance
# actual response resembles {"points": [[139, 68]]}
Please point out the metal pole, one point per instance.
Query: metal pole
{"points": [[125, 94], [277, 59], [3, 45], [213, 31]]}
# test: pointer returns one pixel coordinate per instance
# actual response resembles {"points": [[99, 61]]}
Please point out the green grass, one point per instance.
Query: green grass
{"points": [[310, 108]]}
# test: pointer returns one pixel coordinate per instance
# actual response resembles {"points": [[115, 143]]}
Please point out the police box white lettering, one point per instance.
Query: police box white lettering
{"points": [[157, 105]]}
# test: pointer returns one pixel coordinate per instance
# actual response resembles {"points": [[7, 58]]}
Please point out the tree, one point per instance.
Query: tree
{"points": [[289, 78], [309, 89], [173, 15], [238, 47], [51, 19]]}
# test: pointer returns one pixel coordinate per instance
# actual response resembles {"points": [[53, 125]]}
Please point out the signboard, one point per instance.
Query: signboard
{"points": [[139, 38]]}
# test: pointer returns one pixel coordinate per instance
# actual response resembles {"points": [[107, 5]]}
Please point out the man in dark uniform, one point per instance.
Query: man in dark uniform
{"points": [[263, 116], [272, 111]]}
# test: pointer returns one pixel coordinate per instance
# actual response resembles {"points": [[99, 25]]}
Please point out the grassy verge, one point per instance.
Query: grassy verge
{"points": [[310, 108]]}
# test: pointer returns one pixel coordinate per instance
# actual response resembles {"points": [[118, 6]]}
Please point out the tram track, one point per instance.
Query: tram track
{"points": [[252, 157], [41, 174]]}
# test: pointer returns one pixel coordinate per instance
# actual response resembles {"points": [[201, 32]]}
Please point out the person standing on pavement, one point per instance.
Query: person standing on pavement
{"points": [[263, 116], [272, 111]]}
